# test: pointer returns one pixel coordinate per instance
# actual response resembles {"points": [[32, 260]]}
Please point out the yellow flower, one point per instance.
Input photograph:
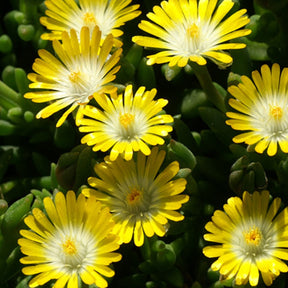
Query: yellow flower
{"points": [[73, 240], [261, 110], [186, 30], [251, 237], [126, 123], [63, 15], [83, 70], [140, 199]]}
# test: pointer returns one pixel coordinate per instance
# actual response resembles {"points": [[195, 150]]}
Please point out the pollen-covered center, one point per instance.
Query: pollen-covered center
{"points": [[276, 112], [69, 247], [137, 200], [134, 196], [71, 252], [253, 236], [74, 77], [193, 31], [130, 126], [89, 19], [126, 120], [127, 126], [79, 86]]}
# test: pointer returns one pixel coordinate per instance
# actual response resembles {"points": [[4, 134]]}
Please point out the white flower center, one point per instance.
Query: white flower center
{"points": [[69, 247], [136, 200], [71, 250], [255, 238], [127, 126], [101, 16], [192, 37], [276, 112], [80, 84], [270, 119], [89, 20], [127, 122]]}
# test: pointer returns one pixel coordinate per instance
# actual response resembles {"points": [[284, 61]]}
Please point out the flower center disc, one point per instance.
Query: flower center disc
{"points": [[134, 196], [276, 112], [193, 31], [89, 19], [69, 247], [126, 120], [253, 237], [74, 77]]}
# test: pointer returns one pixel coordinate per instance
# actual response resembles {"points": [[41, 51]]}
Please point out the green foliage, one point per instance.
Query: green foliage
{"points": [[36, 158]]}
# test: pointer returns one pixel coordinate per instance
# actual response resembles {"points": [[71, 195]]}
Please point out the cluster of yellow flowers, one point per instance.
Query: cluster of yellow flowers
{"points": [[130, 198]]}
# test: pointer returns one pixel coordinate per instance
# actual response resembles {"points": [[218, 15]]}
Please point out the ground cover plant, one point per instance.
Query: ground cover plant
{"points": [[143, 143]]}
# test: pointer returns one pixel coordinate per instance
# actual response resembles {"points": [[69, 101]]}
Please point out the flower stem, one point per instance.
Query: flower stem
{"points": [[207, 85]]}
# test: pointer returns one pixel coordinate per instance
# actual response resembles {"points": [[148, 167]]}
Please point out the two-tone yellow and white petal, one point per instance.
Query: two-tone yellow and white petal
{"points": [[188, 30], [72, 239], [261, 110], [125, 123], [141, 199], [63, 15], [83, 68], [251, 239]]}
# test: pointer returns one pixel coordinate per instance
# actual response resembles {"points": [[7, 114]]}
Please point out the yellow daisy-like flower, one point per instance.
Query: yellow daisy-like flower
{"points": [[73, 240], [187, 30], [262, 109], [126, 123], [63, 15], [84, 69], [140, 199], [252, 237]]}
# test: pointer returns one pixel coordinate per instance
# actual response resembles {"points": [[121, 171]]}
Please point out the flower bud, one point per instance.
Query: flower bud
{"points": [[247, 176]]}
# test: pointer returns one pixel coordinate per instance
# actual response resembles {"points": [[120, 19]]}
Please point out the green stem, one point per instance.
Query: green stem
{"points": [[207, 85]]}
